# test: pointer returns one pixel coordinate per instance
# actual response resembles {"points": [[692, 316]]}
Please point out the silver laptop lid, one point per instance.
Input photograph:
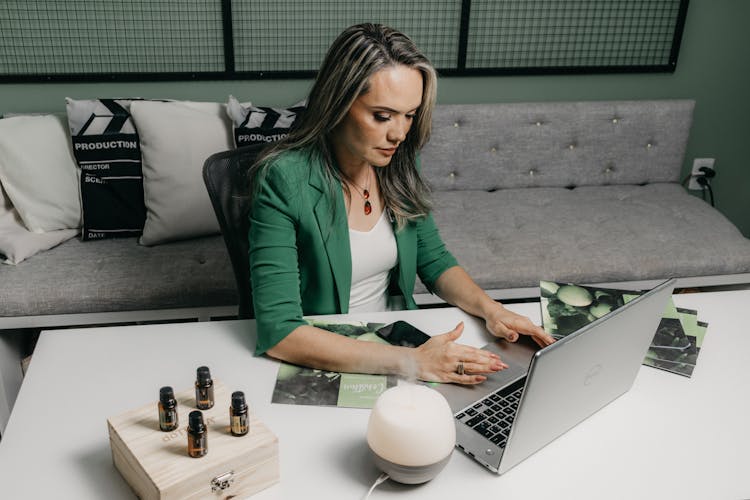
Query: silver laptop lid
{"points": [[576, 376]]}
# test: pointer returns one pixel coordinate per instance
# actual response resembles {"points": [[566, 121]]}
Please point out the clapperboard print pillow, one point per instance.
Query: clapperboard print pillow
{"points": [[256, 125], [106, 148]]}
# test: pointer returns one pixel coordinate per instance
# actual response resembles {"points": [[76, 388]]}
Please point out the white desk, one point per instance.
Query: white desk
{"points": [[669, 437]]}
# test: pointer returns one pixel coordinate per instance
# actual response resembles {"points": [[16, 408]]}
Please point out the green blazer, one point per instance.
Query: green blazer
{"points": [[300, 256]]}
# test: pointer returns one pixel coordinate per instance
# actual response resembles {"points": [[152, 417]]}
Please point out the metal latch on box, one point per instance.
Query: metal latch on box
{"points": [[222, 481]]}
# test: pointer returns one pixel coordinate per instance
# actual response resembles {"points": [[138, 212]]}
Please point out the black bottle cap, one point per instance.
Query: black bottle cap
{"points": [[166, 395], [204, 375], [195, 421], [238, 401]]}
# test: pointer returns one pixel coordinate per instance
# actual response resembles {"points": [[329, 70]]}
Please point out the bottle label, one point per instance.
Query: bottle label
{"points": [[204, 397], [167, 418], [239, 424], [197, 445]]}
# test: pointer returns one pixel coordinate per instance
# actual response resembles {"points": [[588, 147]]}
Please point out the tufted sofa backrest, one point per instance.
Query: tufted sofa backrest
{"points": [[565, 144]]}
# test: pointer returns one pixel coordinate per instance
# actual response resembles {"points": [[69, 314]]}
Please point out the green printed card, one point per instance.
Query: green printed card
{"points": [[566, 307], [357, 390], [299, 385]]}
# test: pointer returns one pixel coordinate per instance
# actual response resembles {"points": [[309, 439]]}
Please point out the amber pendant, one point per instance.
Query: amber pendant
{"points": [[366, 194], [368, 207]]}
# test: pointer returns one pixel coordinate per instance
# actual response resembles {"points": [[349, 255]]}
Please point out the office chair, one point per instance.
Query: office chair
{"points": [[225, 175]]}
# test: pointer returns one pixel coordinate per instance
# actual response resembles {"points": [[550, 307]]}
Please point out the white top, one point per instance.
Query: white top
{"points": [[374, 254]]}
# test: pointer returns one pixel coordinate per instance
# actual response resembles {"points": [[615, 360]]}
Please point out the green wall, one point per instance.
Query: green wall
{"points": [[713, 69]]}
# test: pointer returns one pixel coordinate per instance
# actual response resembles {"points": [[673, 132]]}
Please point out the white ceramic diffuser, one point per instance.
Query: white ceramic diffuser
{"points": [[411, 433]]}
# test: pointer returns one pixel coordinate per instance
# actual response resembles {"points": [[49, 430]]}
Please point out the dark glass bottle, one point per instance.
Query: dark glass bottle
{"points": [[238, 420], [197, 435], [204, 389], [167, 410]]}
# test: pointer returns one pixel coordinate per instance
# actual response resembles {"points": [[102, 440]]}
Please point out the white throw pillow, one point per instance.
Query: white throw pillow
{"points": [[39, 173], [18, 243], [176, 138]]}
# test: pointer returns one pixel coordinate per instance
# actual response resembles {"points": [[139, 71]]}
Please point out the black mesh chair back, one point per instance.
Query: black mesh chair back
{"points": [[225, 175]]}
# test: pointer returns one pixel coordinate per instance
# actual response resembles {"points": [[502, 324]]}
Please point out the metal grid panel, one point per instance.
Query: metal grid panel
{"points": [[95, 40], [113, 36], [577, 33], [293, 35]]}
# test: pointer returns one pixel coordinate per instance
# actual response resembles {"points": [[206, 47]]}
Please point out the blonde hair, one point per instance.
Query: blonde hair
{"points": [[357, 53]]}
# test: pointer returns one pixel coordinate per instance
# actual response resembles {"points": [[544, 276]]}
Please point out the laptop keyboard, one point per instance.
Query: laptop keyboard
{"points": [[493, 416]]}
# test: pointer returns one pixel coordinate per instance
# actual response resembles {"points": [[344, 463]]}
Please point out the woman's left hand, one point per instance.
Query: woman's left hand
{"points": [[508, 325]]}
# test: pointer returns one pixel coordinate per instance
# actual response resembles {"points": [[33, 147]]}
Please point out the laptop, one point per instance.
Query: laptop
{"points": [[545, 392]]}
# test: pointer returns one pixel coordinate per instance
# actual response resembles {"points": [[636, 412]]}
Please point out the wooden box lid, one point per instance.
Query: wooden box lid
{"points": [[156, 464]]}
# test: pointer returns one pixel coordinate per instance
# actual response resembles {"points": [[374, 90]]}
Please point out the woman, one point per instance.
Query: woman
{"points": [[340, 220]]}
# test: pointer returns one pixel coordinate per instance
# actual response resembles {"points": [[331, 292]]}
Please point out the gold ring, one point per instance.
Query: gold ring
{"points": [[460, 368]]}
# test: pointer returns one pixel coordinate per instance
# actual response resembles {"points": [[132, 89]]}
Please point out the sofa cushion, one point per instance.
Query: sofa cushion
{"points": [[518, 237], [496, 146], [119, 275], [176, 138], [38, 172], [106, 147]]}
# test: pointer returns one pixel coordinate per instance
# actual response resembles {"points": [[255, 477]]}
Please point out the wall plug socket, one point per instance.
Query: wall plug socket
{"points": [[696, 172]]}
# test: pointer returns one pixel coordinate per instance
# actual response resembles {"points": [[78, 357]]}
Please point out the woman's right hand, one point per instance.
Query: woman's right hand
{"points": [[441, 359]]}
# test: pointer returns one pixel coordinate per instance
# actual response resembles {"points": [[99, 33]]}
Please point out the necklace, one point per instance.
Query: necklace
{"points": [[364, 192]]}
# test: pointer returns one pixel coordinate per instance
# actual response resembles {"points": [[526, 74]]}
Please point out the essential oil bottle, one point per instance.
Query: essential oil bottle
{"points": [[204, 389], [197, 435], [238, 421], [167, 409]]}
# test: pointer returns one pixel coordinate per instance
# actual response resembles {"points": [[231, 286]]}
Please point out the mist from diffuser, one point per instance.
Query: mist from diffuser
{"points": [[411, 433]]}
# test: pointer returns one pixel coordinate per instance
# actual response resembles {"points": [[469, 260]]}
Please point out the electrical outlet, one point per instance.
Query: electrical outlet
{"points": [[696, 172]]}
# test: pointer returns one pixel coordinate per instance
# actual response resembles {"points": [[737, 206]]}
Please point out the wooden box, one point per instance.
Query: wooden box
{"points": [[156, 464]]}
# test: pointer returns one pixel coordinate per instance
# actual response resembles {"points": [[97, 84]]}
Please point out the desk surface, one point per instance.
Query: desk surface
{"points": [[669, 437]]}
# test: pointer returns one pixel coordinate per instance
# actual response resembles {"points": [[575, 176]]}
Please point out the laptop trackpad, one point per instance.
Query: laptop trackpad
{"points": [[517, 355]]}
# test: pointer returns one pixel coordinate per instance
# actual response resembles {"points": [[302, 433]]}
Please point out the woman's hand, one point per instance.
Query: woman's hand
{"points": [[458, 289], [508, 325], [441, 359]]}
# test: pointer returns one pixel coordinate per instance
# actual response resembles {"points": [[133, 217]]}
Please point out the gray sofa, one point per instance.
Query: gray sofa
{"points": [[586, 192]]}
